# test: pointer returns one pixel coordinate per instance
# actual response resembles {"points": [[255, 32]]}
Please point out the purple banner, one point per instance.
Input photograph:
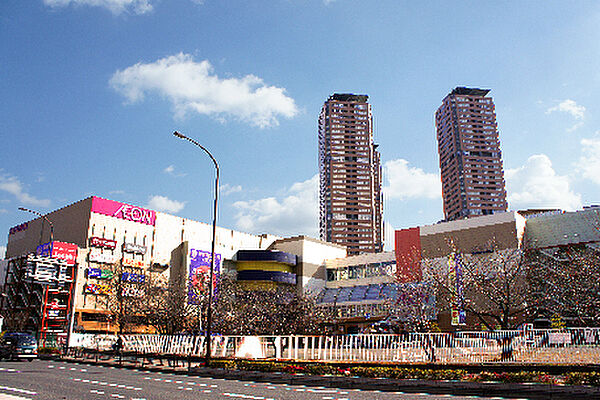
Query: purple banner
{"points": [[200, 274]]}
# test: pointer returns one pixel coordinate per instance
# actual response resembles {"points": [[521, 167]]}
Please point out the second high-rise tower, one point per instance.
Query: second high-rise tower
{"points": [[470, 157]]}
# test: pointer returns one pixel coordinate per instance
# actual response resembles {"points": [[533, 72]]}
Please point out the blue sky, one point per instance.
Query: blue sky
{"points": [[93, 89]]}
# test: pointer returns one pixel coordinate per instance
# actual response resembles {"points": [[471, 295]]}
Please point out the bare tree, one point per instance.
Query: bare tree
{"points": [[277, 311], [164, 306], [564, 282], [493, 287]]}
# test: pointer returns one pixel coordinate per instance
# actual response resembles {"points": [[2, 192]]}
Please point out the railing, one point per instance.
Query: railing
{"points": [[567, 346]]}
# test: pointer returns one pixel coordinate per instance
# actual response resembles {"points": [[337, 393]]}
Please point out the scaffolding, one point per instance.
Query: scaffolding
{"points": [[38, 291]]}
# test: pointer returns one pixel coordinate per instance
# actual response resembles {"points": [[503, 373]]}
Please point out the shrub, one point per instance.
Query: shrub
{"points": [[583, 378], [49, 350]]}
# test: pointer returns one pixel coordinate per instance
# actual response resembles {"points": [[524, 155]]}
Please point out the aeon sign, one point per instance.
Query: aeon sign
{"points": [[123, 211]]}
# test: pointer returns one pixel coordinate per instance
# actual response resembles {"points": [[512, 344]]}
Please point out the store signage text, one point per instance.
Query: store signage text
{"points": [[123, 211], [96, 288], [132, 291], [103, 243], [133, 263], [100, 273], [103, 258], [133, 278], [58, 250], [134, 248]]}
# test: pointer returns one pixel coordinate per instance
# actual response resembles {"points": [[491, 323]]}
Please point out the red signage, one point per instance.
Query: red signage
{"points": [[59, 250], [408, 255], [123, 211], [103, 243]]}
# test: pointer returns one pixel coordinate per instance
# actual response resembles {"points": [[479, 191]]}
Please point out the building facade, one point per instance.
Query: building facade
{"points": [[350, 199], [470, 156], [115, 241]]}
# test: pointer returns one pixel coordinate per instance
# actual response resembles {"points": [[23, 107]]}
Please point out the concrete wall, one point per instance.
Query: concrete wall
{"points": [[473, 235]]}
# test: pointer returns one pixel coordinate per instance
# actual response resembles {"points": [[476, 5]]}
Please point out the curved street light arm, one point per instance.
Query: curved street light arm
{"points": [[212, 257], [39, 214]]}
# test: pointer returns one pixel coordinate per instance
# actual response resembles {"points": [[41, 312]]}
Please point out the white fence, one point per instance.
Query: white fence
{"points": [[567, 346]]}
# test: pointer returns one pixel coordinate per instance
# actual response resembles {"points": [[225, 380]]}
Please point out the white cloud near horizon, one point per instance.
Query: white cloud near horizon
{"points": [[228, 189], [116, 7], [193, 86], [294, 213], [589, 162], [404, 182], [12, 185], [2, 252], [537, 185], [163, 203]]}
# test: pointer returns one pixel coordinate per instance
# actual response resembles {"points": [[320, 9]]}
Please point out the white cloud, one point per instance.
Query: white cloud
{"points": [[296, 213], [570, 107], [228, 189], [405, 182], [537, 185], [2, 252], [114, 6], [193, 87], [13, 186], [171, 171], [589, 162], [163, 203]]}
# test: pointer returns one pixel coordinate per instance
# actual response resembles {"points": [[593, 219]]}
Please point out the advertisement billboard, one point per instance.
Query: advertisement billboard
{"points": [[134, 248], [58, 250], [199, 274], [123, 211], [457, 298], [103, 243]]}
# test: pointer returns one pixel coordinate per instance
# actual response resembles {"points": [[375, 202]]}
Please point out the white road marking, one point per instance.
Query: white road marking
{"points": [[244, 396], [11, 397], [17, 390]]}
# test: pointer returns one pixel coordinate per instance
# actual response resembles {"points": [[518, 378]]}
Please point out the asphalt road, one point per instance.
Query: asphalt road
{"points": [[51, 380]]}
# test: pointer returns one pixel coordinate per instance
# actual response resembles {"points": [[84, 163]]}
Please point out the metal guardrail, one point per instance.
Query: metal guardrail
{"points": [[566, 346]]}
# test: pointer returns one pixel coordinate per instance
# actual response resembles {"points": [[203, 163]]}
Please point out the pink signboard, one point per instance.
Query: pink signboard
{"points": [[59, 250], [123, 211]]}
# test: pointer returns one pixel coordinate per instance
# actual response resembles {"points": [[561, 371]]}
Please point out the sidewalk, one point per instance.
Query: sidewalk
{"points": [[533, 391]]}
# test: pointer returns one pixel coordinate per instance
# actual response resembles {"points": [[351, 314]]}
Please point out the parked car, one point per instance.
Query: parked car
{"points": [[16, 346]]}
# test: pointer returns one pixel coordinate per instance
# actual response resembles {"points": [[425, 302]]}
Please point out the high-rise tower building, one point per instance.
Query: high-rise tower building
{"points": [[470, 157], [350, 175]]}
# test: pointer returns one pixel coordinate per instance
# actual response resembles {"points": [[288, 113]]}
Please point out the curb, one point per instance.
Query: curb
{"points": [[534, 391]]}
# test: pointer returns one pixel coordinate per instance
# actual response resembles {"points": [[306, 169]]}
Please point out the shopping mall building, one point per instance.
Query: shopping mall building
{"points": [[63, 283]]}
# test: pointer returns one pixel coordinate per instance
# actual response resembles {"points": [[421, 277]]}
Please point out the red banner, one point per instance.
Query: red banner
{"points": [[408, 255]]}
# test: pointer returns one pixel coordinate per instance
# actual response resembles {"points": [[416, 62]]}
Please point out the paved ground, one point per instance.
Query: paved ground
{"points": [[51, 380]]}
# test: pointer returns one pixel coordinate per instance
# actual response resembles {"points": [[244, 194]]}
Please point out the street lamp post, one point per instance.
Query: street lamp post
{"points": [[212, 256], [39, 214]]}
